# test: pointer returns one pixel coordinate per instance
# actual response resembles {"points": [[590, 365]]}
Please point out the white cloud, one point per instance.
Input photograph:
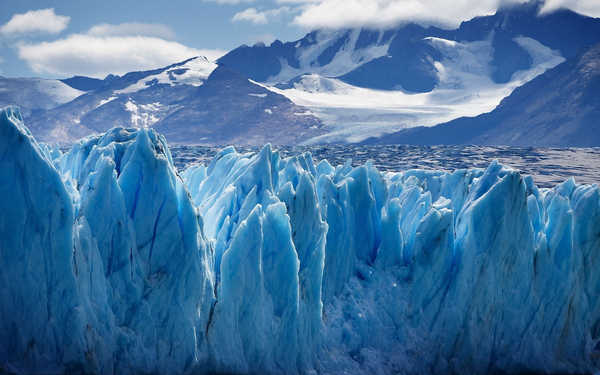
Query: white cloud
{"points": [[250, 15], [110, 49], [384, 13], [35, 21], [259, 17], [588, 7], [133, 29], [81, 54]]}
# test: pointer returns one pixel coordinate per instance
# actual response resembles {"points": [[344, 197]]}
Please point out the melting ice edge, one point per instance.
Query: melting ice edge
{"points": [[111, 262]]}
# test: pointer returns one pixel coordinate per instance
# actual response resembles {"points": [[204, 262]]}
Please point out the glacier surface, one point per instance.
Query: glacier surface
{"points": [[111, 261]]}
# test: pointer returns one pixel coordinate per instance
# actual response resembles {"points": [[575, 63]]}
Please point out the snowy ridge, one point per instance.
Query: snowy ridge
{"points": [[35, 93], [465, 89], [194, 101], [58, 91], [193, 72], [346, 58], [258, 264]]}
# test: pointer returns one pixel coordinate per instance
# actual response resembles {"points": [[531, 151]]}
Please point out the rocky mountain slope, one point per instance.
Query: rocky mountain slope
{"points": [[403, 57], [364, 83], [559, 108], [194, 101]]}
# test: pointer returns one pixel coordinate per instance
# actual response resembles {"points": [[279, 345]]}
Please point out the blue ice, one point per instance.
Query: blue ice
{"points": [[111, 261]]}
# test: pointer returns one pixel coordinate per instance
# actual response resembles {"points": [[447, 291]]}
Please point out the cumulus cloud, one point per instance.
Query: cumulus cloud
{"points": [[110, 49], [35, 21], [90, 55], [259, 17], [588, 7], [133, 29], [251, 15], [384, 13]]}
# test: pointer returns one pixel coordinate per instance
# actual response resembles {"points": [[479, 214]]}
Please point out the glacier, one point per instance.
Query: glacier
{"points": [[112, 261]]}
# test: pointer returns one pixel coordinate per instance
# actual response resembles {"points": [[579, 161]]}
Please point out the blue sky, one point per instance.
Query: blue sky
{"points": [[202, 25], [62, 38]]}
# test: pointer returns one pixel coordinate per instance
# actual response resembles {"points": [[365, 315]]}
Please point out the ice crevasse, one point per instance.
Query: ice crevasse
{"points": [[111, 261]]}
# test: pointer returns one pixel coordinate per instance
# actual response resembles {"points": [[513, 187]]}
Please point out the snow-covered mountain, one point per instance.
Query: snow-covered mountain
{"points": [[464, 89], [559, 108], [111, 262], [194, 101], [32, 94], [405, 58], [330, 86], [366, 82]]}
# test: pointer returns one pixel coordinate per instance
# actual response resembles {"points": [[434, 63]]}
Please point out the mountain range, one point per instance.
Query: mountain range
{"points": [[405, 57], [486, 80], [195, 101], [559, 108]]}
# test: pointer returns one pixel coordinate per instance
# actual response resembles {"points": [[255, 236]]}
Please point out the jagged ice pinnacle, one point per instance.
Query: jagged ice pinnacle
{"points": [[113, 262]]}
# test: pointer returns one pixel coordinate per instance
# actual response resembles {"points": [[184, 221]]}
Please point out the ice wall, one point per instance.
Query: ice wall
{"points": [[134, 215], [258, 264], [39, 299], [107, 271]]}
